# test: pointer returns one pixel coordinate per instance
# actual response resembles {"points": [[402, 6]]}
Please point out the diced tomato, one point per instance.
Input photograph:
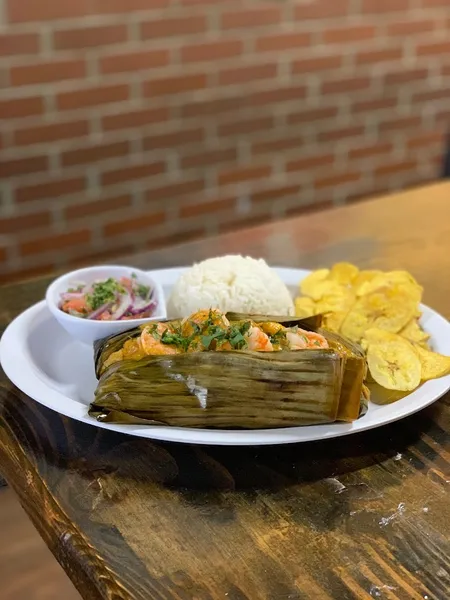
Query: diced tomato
{"points": [[127, 283], [77, 304], [105, 316]]}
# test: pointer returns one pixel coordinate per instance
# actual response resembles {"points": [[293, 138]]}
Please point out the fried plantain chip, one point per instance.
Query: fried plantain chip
{"points": [[402, 307], [414, 333], [344, 273], [339, 299], [309, 284], [333, 321], [364, 277], [391, 279], [375, 335], [305, 307], [389, 309], [434, 365], [394, 364], [381, 311]]}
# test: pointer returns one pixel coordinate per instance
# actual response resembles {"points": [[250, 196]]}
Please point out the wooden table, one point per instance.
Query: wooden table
{"points": [[364, 516]]}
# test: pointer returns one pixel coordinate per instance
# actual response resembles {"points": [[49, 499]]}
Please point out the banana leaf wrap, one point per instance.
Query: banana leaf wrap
{"points": [[233, 389]]}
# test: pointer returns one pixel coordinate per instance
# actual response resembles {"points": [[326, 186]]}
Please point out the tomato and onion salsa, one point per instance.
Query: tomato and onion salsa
{"points": [[109, 299]]}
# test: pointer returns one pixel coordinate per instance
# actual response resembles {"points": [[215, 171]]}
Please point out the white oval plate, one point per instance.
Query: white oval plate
{"points": [[45, 363]]}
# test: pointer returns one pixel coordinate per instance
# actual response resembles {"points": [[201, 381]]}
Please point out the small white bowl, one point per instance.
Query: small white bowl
{"points": [[86, 330]]}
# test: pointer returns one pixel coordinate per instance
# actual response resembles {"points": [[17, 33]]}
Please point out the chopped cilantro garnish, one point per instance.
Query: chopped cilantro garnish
{"points": [[234, 334], [214, 333], [238, 341], [133, 276], [153, 329], [209, 335], [209, 321], [196, 328], [103, 292], [278, 337], [245, 327], [172, 337], [206, 341], [143, 290]]}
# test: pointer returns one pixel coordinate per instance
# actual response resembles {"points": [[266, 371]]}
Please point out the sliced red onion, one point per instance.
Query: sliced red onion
{"points": [[72, 295], [124, 306], [139, 309], [128, 304], [99, 311], [139, 305]]}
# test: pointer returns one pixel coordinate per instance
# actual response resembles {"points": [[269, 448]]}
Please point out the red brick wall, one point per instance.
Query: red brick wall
{"points": [[127, 124]]}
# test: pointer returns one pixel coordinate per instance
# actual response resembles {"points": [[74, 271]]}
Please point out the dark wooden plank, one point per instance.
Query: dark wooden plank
{"points": [[360, 517]]}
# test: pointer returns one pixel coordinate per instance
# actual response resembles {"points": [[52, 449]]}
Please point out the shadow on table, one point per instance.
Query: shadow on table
{"points": [[73, 447], [90, 469]]}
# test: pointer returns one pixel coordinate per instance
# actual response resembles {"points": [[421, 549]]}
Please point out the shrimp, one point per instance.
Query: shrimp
{"points": [[151, 344], [203, 318], [255, 340], [316, 340], [301, 339], [258, 340]]}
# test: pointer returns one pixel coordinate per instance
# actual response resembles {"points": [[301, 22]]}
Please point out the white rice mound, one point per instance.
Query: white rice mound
{"points": [[230, 283]]}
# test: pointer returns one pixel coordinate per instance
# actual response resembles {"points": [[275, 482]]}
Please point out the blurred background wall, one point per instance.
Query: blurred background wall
{"points": [[130, 124]]}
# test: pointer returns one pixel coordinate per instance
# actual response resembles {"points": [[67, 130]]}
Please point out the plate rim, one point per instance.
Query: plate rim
{"points": [[12, 353]]}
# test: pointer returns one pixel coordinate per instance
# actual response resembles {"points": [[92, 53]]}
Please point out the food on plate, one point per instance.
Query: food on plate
{"points": [[230, 283], [388, 308], [414, 333], [392, 361], [433, 365], [353, 301], [229, 371], [109, 299], [210, 330], [381, 311], [305, 307], [397, 363]]}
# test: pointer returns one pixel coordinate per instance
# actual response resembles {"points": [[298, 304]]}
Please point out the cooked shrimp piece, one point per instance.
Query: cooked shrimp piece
{"points": [[152, 345], [258, 340], [316, 340], [300, 339], [212, 316], [296, 341]]}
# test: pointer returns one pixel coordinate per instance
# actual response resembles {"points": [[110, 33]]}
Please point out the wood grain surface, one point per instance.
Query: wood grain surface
{"points": [[360, 517], [28, 571]]}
